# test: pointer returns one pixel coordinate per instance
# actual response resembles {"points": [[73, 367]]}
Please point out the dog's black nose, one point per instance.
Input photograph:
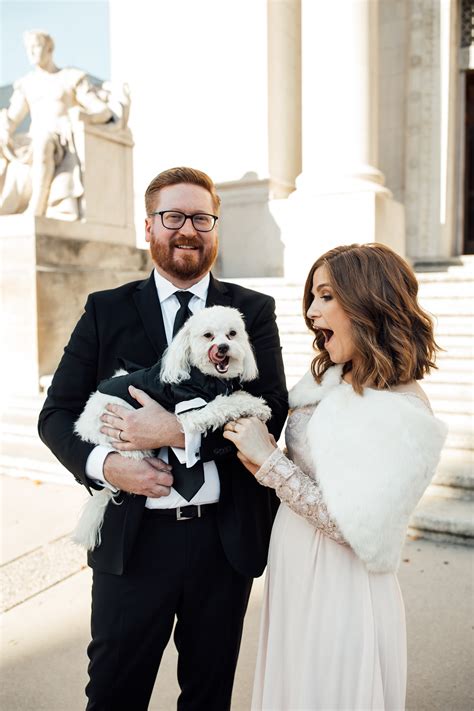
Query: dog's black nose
{"points": [[222, 348]]}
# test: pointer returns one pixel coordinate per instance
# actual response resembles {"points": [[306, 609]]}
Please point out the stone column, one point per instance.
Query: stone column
{"points": [[284, 95], [340, 93], [340, 196], [431, 107]]}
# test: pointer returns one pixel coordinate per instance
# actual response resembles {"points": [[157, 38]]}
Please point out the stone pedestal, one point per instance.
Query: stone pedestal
{"points": [[107, 174], [47, 270], [249, 235]]}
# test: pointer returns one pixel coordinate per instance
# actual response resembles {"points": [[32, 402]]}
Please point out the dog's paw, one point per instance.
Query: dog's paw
{"points": [[242, 404], [195, 421], [258, 408], [223, 409]]}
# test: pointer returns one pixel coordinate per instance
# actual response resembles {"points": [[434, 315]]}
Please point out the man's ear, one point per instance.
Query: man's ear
{"points": [[148, 227]]}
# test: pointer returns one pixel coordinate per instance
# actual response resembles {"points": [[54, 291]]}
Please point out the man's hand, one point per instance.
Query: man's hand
{"points": [[148, 477], [149, 427]]}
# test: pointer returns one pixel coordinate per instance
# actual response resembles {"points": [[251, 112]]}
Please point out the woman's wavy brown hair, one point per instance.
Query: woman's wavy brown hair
{"points": [[392, 334]]}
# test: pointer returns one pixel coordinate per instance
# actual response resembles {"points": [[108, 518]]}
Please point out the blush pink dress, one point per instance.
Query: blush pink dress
{"points": [[332, 634]]}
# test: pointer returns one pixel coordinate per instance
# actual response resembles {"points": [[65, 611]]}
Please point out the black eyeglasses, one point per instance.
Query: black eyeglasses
{"points": [[174, 220]]}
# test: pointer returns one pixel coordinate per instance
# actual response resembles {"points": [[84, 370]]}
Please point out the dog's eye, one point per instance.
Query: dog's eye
{"points": [[208, 335], [232, 334]]}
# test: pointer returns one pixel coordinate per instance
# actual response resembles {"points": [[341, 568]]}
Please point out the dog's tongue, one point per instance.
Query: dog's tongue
{"points": [[214, 355]]}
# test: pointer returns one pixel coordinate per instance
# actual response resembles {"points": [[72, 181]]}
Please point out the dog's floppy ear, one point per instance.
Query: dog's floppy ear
{"points": [[250, 370], [176, 366]]}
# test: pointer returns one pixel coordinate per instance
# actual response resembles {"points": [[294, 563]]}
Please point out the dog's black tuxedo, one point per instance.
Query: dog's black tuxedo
{"points": [[199, 384], [125, 325]]}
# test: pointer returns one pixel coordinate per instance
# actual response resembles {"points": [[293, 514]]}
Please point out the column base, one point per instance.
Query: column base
{"points": [[250, 240], [314, 222]]}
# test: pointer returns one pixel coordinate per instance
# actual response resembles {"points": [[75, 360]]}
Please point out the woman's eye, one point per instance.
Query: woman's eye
{"points": [[326, 297], [232, 334], [208, 335]]}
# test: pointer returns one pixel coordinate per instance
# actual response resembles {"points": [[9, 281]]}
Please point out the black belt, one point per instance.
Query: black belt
{"points": [[184, 513]]}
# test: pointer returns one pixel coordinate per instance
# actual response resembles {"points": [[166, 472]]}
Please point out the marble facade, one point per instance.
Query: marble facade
{"points": [[363, 114]]}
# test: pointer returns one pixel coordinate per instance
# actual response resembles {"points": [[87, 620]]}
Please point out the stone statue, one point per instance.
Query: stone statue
{"points": [[40, 173]]}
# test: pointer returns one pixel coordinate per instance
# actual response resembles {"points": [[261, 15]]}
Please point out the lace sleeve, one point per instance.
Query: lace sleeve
{"points": [[298, 491]]}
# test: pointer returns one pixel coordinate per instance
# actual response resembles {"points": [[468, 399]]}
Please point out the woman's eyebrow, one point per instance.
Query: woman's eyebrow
{"points": [[321, 286]]}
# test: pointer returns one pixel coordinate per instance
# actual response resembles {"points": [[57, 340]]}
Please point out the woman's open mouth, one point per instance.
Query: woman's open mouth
{"points": [[220, 360], [328, 334]]}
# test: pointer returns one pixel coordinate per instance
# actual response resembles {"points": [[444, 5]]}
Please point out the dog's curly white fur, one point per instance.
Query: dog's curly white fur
{"points": [[190, 347], [209, 328]]}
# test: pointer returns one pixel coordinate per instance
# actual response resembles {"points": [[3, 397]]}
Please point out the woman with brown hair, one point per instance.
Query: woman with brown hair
{"points": [[363, 445]]}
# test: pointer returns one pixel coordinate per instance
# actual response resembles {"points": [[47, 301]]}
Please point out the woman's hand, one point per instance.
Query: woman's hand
{"points": [[252, 439]]}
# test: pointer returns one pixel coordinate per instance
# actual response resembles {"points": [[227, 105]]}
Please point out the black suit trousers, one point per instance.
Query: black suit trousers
{"points": [[178, 568]]}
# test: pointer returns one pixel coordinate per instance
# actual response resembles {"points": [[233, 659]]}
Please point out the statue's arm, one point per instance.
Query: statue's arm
{"points": [[11, 117], [96, 109]]}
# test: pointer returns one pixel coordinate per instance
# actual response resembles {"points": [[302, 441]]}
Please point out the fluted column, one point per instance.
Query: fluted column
{"points": [[284, 95], [339, 88], [340, 196]]}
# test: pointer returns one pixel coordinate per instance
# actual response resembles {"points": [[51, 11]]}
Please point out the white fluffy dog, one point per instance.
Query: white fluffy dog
{"points": [[208, 360]]}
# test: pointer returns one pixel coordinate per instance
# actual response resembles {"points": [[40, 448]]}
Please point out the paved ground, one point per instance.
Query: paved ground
{"points": [[45, 592]]}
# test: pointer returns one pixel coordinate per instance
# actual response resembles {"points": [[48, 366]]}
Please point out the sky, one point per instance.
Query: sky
{"points": [[80, 29]]}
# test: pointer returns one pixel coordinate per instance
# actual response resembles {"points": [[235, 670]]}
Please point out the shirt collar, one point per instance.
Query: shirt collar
{"points": [[166, 289]]}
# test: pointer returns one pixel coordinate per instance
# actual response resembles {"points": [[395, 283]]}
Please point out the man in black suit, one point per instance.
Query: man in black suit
{"points": [[163, 558]]}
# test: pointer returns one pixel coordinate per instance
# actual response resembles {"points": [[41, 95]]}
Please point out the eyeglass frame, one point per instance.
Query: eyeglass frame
{"points": [[186, 217]]}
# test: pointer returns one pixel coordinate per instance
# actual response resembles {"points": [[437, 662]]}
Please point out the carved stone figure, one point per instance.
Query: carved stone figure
{"points": [[40, 172]]}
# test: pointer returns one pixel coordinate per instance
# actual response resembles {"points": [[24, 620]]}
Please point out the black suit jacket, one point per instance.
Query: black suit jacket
{"points": [[126, 324]]}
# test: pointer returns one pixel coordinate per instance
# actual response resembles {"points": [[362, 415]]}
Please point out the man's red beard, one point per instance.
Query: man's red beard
{"points": [[183, 264]]}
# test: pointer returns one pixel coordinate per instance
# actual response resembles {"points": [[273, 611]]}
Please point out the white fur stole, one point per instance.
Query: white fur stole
{"points": [[374, 456]]}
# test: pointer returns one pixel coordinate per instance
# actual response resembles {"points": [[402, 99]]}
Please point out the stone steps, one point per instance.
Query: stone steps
{"points": [[456, 348], [445, 511], [456, 469], [444, 518], [457, 325]]}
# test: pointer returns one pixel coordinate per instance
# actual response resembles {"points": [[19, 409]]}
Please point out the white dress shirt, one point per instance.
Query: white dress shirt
{"points": [[210, 490]]}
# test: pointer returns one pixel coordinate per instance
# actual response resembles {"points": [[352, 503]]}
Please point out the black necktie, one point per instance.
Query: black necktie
{"points": [[183, 313], [186, 481]]}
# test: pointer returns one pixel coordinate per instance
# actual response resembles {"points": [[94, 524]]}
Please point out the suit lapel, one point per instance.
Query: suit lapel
{"points": [[146, 301], [218, 294]]}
